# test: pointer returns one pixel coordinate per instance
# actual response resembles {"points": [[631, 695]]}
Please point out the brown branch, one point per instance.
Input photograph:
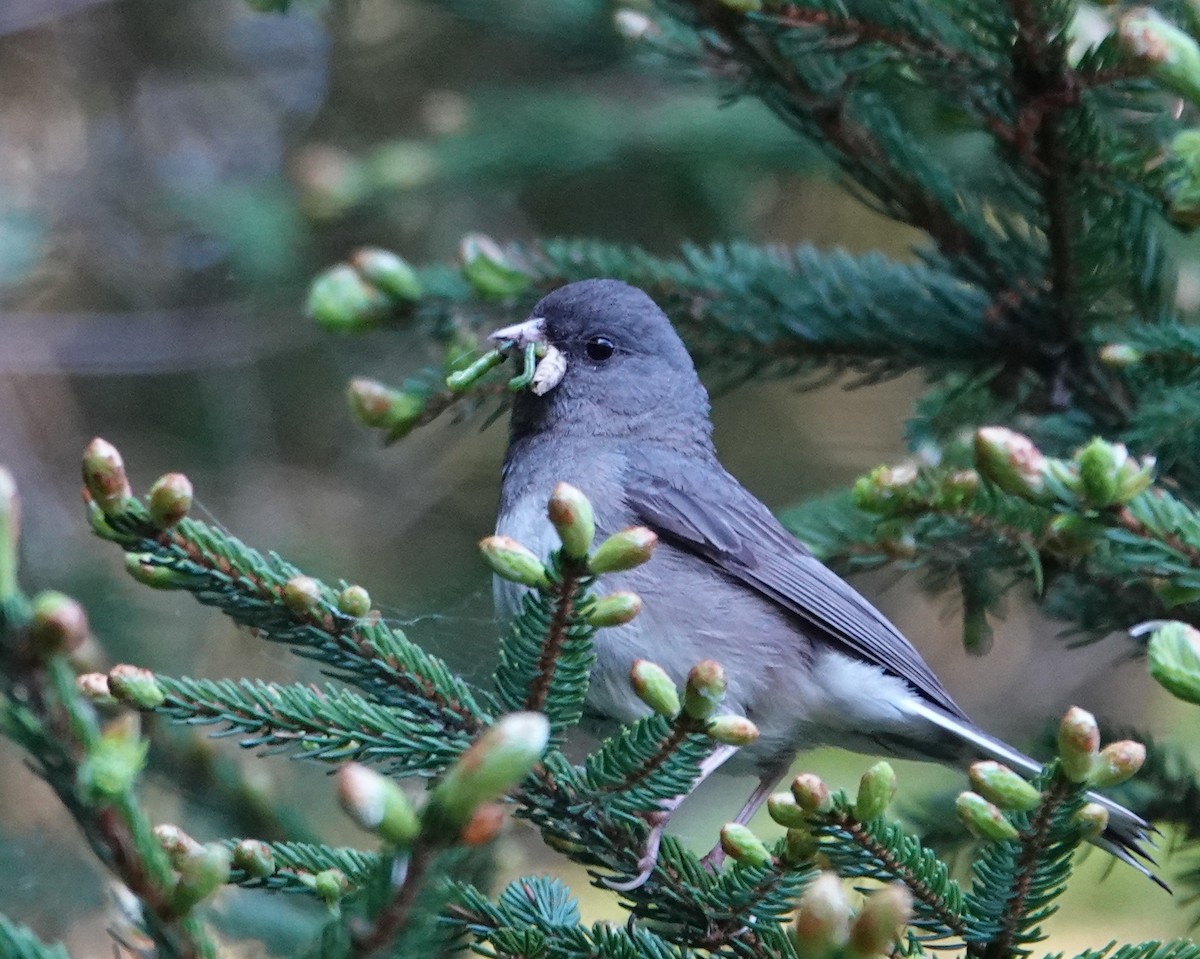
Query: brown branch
{"points": [[567, 591], [1033, 843], [853, 29], [392, 919], [920, 890]]}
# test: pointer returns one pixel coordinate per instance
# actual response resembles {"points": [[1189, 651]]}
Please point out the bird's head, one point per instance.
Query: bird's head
{"points": [[611, 365]]}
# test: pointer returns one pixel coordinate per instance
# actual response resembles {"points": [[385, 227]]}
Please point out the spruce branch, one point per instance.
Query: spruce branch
{"points": [[19, 942]]}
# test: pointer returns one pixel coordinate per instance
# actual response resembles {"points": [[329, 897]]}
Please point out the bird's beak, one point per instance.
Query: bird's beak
{"points": [[521, 335], [552, 366]]}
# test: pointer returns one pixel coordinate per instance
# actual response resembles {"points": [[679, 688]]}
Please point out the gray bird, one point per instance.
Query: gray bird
{"points": [[616, 409]]}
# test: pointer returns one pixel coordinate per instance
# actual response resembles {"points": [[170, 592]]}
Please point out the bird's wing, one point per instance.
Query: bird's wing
{"points": [[701, 508]]}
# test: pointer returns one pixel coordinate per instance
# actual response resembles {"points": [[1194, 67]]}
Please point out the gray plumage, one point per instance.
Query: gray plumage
{"points": [[807, 658]]}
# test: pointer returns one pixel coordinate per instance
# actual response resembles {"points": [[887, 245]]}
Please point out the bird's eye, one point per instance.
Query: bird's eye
{"points": [[600, 348]]}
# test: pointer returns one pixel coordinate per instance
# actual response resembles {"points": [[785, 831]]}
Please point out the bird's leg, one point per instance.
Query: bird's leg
{"points": [[658, 822], [767, 782]]}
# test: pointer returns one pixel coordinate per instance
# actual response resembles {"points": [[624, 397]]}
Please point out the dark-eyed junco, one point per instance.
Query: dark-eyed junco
{"points": [[616, 409]]}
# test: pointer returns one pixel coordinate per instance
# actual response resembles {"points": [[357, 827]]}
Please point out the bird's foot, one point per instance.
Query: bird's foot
{"points": [[649, 857]]}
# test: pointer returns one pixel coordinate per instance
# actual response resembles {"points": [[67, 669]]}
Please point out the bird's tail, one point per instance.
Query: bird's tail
{"points": [[1128, 835]]}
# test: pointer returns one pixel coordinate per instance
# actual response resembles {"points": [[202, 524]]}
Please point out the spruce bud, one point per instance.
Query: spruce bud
{"points": [[983, 818], [511, 561], [881, 922], [1165, 52], [94, 687], [704, 690], [1012, 462], [876, 790], [143, 568], [176, 843], [1117, 763], [59, 624], [135, 687], [1000, 785], [104, 476], [354, 601], [822, 923], [112, 764], [489, 271], [388, 272], [885, 488], [1121, 355], [783, 809], [1099, 463], [655, 688], [742, 846], [634, 25], [1078, 744], [302, 594], [616, 609], [254, 858], [170, 500], [377, 804], [483, 826], [800, 845], [623, 551], [1092, 820], [330, 885], [811, 794], [571, 513], [496, 762], [343, 301], [732, 730], [1174, 653], [380, 407]]}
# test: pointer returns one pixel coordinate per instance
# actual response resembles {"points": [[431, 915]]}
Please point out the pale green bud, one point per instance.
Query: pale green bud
{"points": [[876, 790], [354, 601], [94, 687], [389, 272], [496, 762], [200, 875], [1121, 355], [302, 594], [822, 923], [104, 476], [571, 513], [140, 567], [1165, 52], [176, 843], [1078, 744], [885, 488], [330, 885], [488, 269], [1099, 463], [732, 730], [704, 690], [957, 490], [1134, 476], [1117, 763], [1092, 820], [623, 551], [344, 301], [741, 845], [983, 818], [800, 845], [1174, 653], [170, 499], [254, 858], [380, 407], [812, 794], [59, 624], [1000, 785], [377, 804], [1012, 462], [783, 808], [616, 609], [112, 764], [655, 688], [511, 561], [1182, 189], [881, 921], [135, 686]]}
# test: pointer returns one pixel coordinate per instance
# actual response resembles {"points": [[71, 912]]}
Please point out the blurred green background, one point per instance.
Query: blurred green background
{"points": [[171, 175]]}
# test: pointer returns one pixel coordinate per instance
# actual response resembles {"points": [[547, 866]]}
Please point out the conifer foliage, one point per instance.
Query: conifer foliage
{"points": [[1044, 150]]}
